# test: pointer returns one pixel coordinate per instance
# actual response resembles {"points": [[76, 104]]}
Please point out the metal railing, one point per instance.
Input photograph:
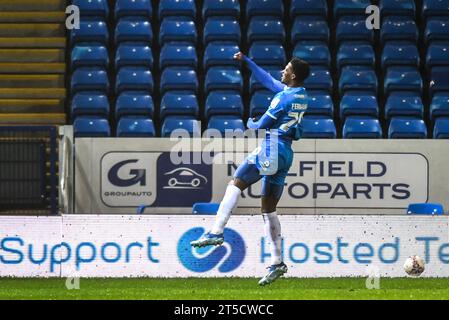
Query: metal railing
{"points": [[28, 170]]}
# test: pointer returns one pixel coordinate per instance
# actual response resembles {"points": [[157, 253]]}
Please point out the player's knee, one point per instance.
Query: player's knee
{"points": [[268, 209], [238, 183], [269, 204]]}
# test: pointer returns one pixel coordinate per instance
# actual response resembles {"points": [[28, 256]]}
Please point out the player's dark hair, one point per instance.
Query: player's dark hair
{"points": [[301, 69]]}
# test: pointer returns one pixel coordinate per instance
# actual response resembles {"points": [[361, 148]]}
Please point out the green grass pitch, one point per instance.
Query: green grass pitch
{"points": [[225, 289]]}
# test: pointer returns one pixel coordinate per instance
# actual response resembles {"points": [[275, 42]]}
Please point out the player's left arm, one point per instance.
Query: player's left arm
{"points": [[265, 122], [269, 118]]}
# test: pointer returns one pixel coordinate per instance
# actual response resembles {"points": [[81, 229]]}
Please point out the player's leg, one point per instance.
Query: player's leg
{"points": [[246, 174], [272, 188], [271, 193], [272, 224]]}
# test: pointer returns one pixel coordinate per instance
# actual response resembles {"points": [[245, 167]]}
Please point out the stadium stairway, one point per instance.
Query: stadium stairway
{"points": [[32, 61]]}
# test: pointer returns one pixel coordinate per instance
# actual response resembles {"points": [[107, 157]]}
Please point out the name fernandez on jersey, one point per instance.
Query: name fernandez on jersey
{"points": [[299, 106], [288, 108]]}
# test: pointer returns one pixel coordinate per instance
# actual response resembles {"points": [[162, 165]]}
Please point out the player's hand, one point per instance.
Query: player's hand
{"points": [[239, 56], [250, 124]]}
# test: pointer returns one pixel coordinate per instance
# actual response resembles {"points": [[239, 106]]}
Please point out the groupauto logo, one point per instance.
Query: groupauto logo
{"points": [[227, 257], [136, 175]]}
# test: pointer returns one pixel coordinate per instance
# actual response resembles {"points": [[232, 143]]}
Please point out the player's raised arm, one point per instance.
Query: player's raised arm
{"points": [[261, 75]]}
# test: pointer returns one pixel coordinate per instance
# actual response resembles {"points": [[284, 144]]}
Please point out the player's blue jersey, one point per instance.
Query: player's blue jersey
{"points": [[275, 156], [288, 108]]}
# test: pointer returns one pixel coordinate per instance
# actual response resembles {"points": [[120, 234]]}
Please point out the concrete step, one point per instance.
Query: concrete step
{"points": [[28, 17], [31, 106], [32, 30], [47, 42], [31, 81], [32, 68], [32, 55], [32, 93], [32, 118], [33, 5]]}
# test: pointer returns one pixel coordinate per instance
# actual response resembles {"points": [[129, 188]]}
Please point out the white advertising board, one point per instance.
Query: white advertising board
{"points": [[326, 176], [158, 246]]}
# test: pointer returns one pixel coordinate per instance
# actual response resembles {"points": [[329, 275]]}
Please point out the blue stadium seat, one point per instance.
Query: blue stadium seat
{"points": [[227, 8], [133, 8], [441, 128], [134, 103], [205, 208], [186, 123], [307, 28], [350, 8], [425, 208], [84, 55], [362, 128], [358, 78], [404, 104], [314, 54], [179, 103], [400, 54], [320, 105], [356, 104], [264, 8], [226, 123], [220, 54], [407, 128], [353, 29], [178, 8], [439, 107], [437, 30], [399, 29], [133, 54], [134, 79], [133, 30], [179, 30], [397, 8], [89, 79], [439, 81], [90, 31], [402, 79], [437, 55], [174, 54], [90, 103], [355, 54], [255, 85], [223, 78], [260, 101], [319, 79], [91, 126], [434, 8], [318, 128], [223, 103], [221, 30], [98, 8], [134, 127], [266, 29], [309, 7], [268, 54], [179, 79]]}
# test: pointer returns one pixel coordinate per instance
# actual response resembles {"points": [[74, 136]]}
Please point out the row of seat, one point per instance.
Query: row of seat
{"points": [[232, 8], [305, 28], [352, 78], [221, 53], [175, 54], [231, 103], [316, 128]]}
